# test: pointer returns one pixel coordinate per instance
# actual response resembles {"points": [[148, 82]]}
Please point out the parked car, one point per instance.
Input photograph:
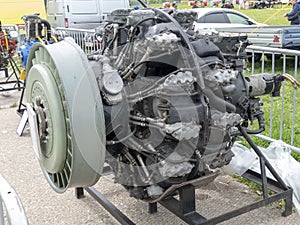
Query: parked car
{"points": [[229, 20], [220, 17]]}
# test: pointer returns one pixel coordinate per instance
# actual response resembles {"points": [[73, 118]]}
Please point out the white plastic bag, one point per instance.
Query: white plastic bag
{"points": [[279, 156], [243, 159]]}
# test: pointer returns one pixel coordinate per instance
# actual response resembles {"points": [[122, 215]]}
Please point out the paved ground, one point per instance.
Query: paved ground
{"points": [[43, 206]]}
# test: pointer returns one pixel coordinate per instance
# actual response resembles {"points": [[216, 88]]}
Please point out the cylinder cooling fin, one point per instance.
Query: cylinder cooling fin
{"points": [[62, 90]]}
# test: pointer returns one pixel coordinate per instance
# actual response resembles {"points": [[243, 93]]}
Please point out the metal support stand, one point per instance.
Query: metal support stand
{"points": [[109, 207], [185, 206], [5, 71], [21, 107], [17, 83]]}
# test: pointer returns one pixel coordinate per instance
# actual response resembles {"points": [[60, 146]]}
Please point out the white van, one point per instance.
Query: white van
{"points": [[83, 14]]}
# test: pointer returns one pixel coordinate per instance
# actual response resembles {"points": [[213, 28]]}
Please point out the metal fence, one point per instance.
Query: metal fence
{"points": [[282, 113], [11, 208], [84, 38]]}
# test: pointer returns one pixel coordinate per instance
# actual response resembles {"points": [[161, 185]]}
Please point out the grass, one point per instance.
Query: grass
{"points": [[14, 105], [275, 17], [268, 16], [257, 189], [289, 105], [11, 11]]}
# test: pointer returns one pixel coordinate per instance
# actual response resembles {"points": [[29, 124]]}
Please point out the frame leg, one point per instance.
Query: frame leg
{"points": [[6, 72], [79, 192], [288, 204], [152, 208], [20, 110], [185, 207], [109, 207]]}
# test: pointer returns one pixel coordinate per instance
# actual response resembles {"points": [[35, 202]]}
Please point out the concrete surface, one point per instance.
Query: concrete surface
{"points": [[43, 206]]}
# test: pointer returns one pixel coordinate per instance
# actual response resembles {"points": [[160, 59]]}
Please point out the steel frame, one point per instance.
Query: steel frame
{"points": [[184, 206], [19, 85]]}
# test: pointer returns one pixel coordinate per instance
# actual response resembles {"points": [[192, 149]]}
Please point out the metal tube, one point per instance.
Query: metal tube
{"points": [[282, 100], [109, 207], [262, 157], [272, 101], [294, 103], [263, 178], [253, 62], [271, 50], [268, 139]]}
